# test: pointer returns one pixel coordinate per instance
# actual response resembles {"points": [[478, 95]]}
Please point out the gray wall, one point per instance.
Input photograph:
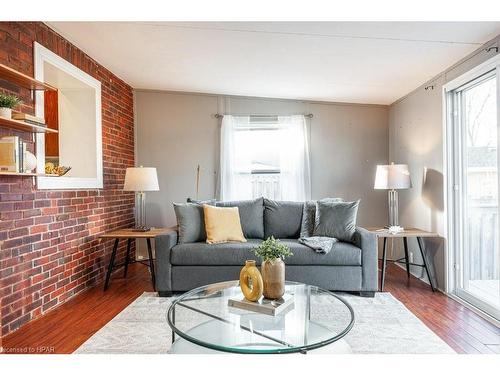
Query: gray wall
{"points": [[178, 131], [416, 138]]}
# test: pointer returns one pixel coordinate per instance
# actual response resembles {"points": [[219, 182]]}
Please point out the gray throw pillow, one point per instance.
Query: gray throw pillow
{"points": [[251, 216], [282, 219], [191, 222], [309, 216], [336, 219]]}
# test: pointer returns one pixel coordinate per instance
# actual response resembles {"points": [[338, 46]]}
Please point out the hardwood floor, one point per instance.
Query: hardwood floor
{"points": [[66, 328], [461, 328]]}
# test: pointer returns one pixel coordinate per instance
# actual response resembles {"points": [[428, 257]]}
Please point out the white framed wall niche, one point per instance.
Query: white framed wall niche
{"points": [[79, 123]]}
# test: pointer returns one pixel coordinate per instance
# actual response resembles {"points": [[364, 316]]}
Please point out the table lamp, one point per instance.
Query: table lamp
{"points": [[393, 177], [141, 180]]}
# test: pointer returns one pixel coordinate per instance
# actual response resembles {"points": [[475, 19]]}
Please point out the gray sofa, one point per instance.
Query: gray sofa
{"points": [[348, 266]]}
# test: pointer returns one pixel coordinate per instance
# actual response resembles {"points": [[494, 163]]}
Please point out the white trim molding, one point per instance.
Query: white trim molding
{"points": [[43, 55], [452, 172]]}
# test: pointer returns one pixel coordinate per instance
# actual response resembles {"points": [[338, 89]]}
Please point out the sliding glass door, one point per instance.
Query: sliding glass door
{"points": [[474, 112]]}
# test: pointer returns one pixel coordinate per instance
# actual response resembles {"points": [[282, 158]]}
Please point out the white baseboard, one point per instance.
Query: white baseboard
{"points": [[420, 278]]}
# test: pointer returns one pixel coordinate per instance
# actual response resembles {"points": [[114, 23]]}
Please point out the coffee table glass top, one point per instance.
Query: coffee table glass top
{"points": [[317, 318]]}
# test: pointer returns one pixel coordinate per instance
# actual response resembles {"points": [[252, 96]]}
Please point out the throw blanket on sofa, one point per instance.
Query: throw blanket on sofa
{"points": [[319, 244]]}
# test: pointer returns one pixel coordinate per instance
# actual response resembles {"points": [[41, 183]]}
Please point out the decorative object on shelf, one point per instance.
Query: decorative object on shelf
{"points": [[60, 170], [12, 154], [9, 149], [28, 119], [140, 180], [393, 177], [7, 102], [251, 282], [272, 252], [29, 162]]}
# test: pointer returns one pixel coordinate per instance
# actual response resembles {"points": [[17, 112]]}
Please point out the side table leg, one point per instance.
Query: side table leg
{"points": [[127, 257], [407, 259], [421, 247], [111, 264], [151, 264], [384, 264]]}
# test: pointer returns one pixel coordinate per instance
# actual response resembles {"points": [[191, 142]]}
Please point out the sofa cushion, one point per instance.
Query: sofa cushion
{"points": [[222, 224], [191, 223], [251, 216], [235, 254], [309, 216], [336, 219], [282, 219]]}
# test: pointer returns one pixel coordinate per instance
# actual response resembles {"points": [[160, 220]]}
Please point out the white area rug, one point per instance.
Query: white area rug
{"points": [[382, 325]]}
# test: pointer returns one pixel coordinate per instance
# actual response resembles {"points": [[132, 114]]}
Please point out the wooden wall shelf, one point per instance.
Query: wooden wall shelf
{"points": [[20, 125], [27, 174], [20, 79]]}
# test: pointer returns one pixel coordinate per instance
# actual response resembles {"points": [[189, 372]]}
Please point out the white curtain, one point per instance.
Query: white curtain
{"points": [[293, 148], [295, 176], [235, 170]]}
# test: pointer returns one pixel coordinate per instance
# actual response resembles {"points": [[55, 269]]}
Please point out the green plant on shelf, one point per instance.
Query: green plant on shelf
{"points": [[9, 101]]}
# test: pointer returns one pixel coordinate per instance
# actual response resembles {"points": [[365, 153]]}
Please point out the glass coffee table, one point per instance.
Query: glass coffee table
{"points": [[202, 322]]}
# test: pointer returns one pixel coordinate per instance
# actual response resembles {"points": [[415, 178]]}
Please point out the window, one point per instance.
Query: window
{"points": [[264, 156], [75, 111], [472, 104]]}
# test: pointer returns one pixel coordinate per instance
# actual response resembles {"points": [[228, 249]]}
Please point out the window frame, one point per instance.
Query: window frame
{"points": [[453, 169]]}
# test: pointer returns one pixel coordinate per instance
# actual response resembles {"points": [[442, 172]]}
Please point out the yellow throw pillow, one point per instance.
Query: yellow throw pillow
{"points": [[222, 224]]}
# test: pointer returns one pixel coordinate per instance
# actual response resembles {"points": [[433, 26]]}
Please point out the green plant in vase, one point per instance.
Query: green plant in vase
{"points": [[7, 103], [273, 252]]}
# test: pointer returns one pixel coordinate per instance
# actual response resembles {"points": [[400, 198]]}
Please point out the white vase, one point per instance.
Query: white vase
{"points": [[6, 112], [29, 162]]}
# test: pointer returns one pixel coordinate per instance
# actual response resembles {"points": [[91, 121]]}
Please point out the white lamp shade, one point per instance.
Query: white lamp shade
{"points": [[392, 176], [141, 179]]}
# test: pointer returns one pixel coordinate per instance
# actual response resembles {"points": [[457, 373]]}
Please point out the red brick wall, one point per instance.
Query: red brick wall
{"points": [[49, 249]]}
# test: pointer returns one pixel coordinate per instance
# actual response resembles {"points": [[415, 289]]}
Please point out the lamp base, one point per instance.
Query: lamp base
{"points": [[141, 229]]}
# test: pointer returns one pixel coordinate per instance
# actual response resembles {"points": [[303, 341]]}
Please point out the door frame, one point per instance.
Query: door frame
{"points": [[452, 172]]}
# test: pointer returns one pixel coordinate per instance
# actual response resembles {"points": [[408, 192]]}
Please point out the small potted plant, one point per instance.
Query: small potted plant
{"points": [[7, 102], [272, 252]]}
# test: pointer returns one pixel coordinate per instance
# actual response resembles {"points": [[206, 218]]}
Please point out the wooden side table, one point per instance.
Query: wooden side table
{"points": [[129, 235], [407, 233]]}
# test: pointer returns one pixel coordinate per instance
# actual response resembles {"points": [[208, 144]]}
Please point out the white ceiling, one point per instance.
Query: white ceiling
{"points": [[357, 62]]}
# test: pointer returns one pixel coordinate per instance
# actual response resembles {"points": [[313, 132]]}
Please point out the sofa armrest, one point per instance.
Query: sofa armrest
{"points": [[163, 244], [368, 242]]}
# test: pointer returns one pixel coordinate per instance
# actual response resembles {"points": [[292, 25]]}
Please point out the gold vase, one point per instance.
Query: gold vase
{"points": [[273, 275], [251, 283]]}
